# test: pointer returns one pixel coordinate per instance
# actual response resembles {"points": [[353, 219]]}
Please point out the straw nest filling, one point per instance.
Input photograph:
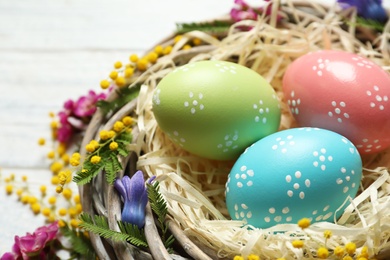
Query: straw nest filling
{"points": [[194, 187]]}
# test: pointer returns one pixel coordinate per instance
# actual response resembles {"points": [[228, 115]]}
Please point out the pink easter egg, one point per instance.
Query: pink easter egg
{"points": [[342, 92]]}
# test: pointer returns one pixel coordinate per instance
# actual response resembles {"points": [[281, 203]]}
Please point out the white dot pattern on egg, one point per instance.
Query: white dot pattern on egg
{"points": [[342, 92], [291, 174], [218, 107]]}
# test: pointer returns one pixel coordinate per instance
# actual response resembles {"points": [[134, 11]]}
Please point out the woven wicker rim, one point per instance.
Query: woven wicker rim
{"points": [[101, 198]]}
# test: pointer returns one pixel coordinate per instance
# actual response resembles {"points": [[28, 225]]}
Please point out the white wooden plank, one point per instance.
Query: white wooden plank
{"points": [[85, 24]]}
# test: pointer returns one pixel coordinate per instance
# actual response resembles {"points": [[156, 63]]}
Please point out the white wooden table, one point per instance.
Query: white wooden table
{"points": [[53, 50]]}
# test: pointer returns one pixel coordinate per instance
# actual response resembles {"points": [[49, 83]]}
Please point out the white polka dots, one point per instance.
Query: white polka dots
{"points": [[194, 102], [294, 103], [242, 211], [176, 138], [262, 112], [283, 144], [294, 180], [321, 159], [229, 142], [345, 179], [322, 214], [184, 68], [320, 66], [224, 68], [278, 215], [377, 101], [369, 145], [244, 177], [361, 62], [338, 111]]}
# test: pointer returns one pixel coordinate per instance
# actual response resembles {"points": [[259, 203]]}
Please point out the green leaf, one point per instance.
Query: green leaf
{"points": [[99, 226], [88, 172], [80, 244], [125, 95], [111, 166], [215, 26], [157, 202], [369, 23], [124, 138], [159, 207], [137, 236], [168, 243]]}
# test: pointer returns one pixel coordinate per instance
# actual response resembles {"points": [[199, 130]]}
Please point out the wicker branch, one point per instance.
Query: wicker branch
{"points": [[186, 243], [156, 246]]}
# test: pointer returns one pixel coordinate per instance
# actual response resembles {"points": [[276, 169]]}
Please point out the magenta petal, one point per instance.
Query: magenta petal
{"points": [[68, 105], [32, 243], [7, 256], [51, 230]]}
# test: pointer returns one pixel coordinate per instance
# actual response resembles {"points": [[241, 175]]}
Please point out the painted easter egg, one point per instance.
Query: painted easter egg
{"points": [[292, 174], [215, 109], [342, 92]]}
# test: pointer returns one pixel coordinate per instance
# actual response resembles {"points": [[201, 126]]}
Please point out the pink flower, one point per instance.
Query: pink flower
{"points": [[76, 115], [51, 230], [243, 11], [33, 245], [64, 132], [69, 105], [86, 105]]}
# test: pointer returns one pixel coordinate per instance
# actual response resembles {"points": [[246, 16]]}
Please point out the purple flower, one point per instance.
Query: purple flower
{"points": [[135, 197], [369, 9], [86, 105]]}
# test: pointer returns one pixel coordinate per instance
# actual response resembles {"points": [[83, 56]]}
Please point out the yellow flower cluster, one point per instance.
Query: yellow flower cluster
{"points": [[106, 137], [348, 252], [46, 204], [250, 257], [121, 75]]}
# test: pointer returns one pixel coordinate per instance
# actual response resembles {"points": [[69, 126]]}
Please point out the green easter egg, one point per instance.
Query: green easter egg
{"points": [[215, 109]]}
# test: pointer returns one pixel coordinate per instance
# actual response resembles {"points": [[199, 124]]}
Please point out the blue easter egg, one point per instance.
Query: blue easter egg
{"points": [[292, 174]]}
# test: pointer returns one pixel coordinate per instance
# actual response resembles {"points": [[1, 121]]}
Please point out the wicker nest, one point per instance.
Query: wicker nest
{"points": [[194, 187]]}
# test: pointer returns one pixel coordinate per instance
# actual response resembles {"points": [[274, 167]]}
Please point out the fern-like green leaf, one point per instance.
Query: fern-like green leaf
{"points": [[87, 173], [124, 138], [111, 167], [157, 202], [99, 226], [81, 245], [125, 94], [136, 235], [168, 243], [215, 26]]}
